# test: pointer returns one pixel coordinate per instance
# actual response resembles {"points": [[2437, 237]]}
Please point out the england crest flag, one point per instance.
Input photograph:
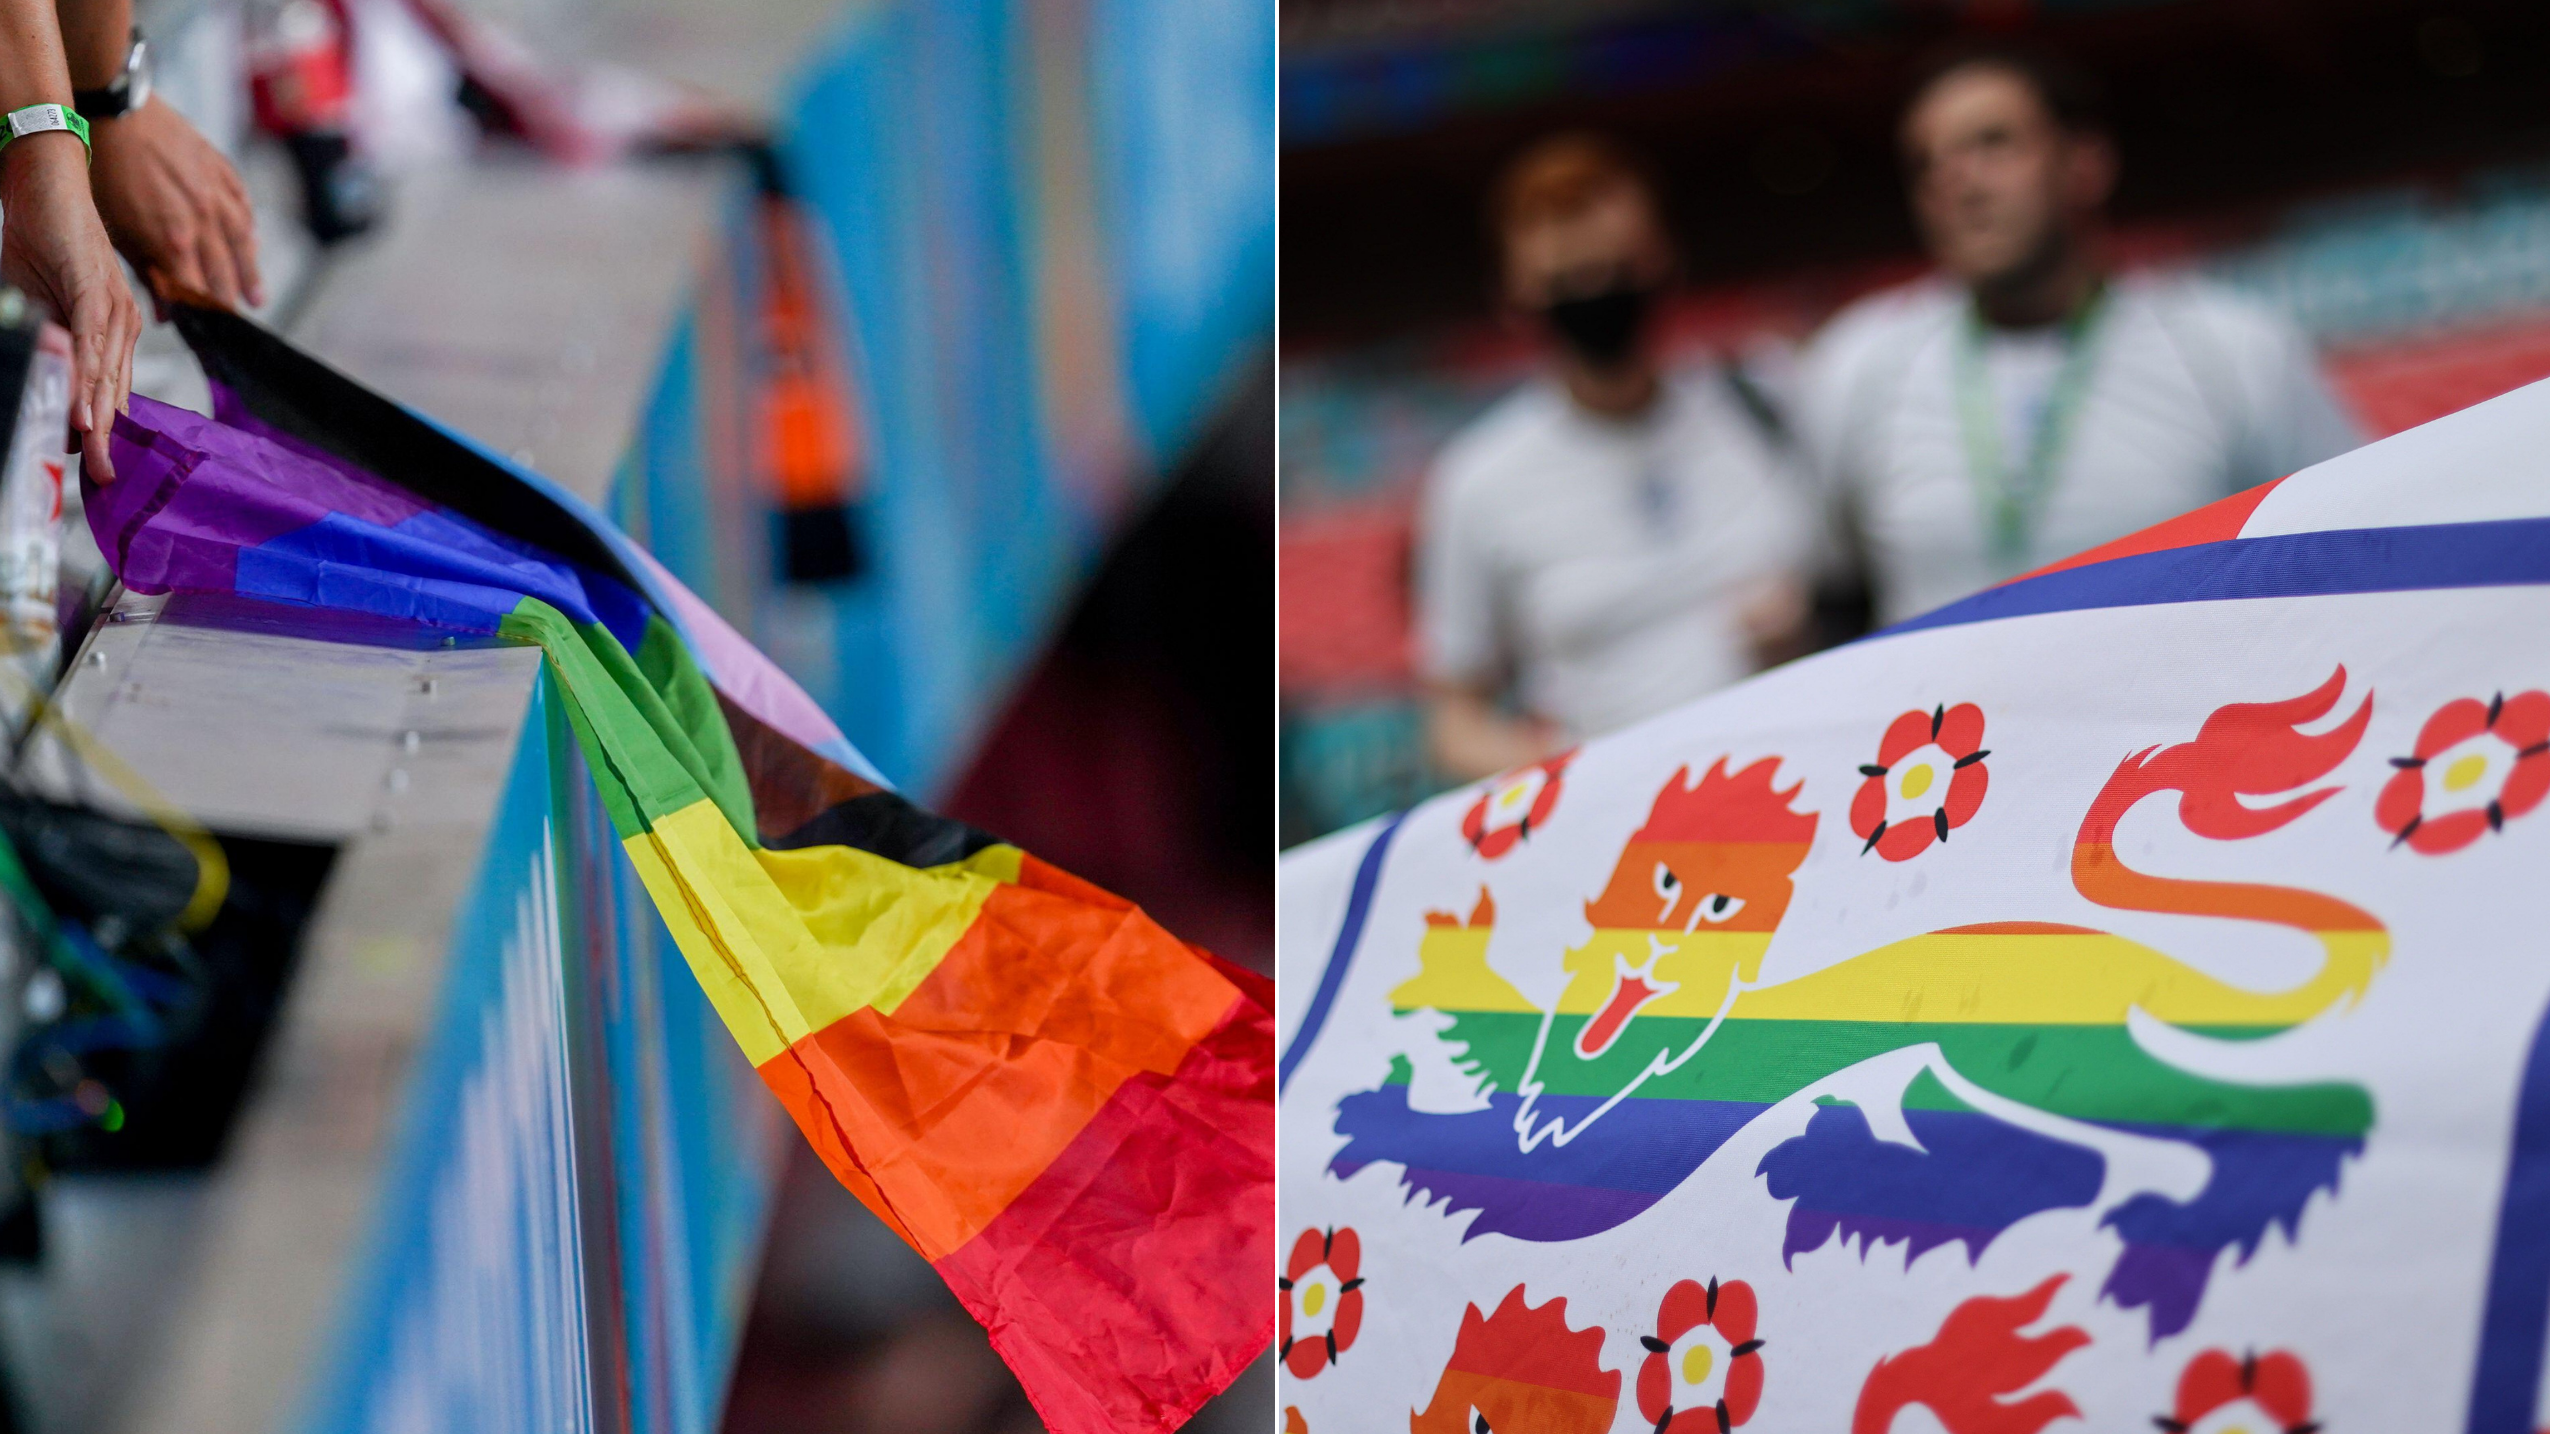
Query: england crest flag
{"points": [[2118, 1000]]}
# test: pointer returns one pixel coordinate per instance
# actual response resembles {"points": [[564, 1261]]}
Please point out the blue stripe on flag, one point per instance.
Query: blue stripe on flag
{"points": [[2505, 1387], [1350, 933], [2511, 552]]}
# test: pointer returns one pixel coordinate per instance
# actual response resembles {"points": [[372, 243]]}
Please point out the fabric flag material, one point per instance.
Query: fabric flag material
{"points": [[2119, 995], [1064, 1108]]}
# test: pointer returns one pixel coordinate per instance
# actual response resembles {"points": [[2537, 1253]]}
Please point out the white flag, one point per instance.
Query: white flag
{"points": [[2119, 997]]}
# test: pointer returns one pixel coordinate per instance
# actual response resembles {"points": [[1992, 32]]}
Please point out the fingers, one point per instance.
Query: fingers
{"points": [[211, 248], [90, 391], [243, 240], [105, 388], [181, 256], [129, 314], [178, 209], [212, 251], [221, 232], [105, 323], [216, 273]]}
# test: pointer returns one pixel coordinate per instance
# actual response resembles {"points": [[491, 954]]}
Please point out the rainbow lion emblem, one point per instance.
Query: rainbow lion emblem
{"points": [[2029, 1093]]}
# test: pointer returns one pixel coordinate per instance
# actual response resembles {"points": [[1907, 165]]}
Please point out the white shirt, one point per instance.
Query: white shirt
{"points": [[2192, 393], [1602, 564]]}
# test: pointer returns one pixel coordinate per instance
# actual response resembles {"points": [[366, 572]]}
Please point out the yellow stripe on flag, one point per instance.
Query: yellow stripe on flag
{"points": [[2050, 979], [787, 942], [718, 976], [880, 927], [999, 861]]}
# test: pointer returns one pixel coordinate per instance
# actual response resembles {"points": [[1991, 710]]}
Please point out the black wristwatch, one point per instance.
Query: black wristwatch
{"points": [[131, 90]]}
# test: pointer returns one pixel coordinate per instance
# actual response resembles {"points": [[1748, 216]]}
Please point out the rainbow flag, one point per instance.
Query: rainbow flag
{"points": [[1066, 1109]]}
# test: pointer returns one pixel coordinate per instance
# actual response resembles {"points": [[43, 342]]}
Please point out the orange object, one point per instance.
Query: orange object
{"points": [[810, 437], [300, 70]]}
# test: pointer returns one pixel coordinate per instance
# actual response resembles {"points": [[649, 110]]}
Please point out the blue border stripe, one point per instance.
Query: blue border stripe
{"points": [[1350, 934], [2344, 560], [2515, 1322]]}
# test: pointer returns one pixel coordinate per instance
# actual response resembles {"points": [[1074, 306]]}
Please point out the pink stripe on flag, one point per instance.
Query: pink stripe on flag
{"points": [[749, 679]]}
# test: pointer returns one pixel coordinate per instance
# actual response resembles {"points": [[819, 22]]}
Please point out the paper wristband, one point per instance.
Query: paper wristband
{"points": [[38, 119]]}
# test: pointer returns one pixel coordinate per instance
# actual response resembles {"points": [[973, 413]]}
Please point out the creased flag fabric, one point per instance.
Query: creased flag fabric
{"points": [[1064, 1108], [2117, 1000]]}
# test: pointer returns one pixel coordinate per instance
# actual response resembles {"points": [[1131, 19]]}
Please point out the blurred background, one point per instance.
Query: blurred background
{"points": [[2375, 171], [931, 342]]}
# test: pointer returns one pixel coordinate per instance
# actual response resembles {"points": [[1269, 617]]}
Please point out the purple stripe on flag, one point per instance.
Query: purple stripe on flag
{"points": [[211, 508], [192, 493], [361, 493], [1552, 1191], [751, 680], [1970, 1178], [1536, 1210]]}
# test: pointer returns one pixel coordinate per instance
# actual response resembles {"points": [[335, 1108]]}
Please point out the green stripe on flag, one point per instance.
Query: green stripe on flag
{"points": [[633, 737], [665, 661], [2087, 1072]]}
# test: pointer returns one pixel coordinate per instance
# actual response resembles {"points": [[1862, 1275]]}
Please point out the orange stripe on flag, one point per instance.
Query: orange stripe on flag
{"points": [[789, 1077], [970, 1087]]}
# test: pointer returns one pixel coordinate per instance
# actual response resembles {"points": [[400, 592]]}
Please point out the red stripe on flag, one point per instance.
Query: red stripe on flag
{"points": [[2213, 523], [1133, 1279]]}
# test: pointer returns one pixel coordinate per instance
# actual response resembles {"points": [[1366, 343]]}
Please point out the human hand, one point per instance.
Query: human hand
{"points": [[1774, 614], [54, 248], [175, 207], [1468, 737]]}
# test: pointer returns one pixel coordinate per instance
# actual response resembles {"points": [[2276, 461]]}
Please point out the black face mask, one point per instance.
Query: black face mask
{"points": [[1603, 327]]}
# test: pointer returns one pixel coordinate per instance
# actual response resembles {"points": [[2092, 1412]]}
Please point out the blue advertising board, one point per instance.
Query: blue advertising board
{"points": [[1049, 234], [567, 1231]]}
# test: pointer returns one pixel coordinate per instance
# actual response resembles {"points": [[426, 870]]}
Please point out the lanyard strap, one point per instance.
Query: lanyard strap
{"points": [[2013, 500]]}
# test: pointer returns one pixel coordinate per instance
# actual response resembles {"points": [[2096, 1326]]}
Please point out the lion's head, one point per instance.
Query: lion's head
{"points": [[1523, 1371], [1690, 906]]}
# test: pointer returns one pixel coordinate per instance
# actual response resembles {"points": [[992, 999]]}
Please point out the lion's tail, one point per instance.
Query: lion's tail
{"points": [[2245, 749]]}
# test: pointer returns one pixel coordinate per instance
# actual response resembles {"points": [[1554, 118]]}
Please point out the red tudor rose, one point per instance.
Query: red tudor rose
{"points": [[1703, 1371], [2260, 1394], [1323, 1300], [1927, 781], [1519, 804], [2477, 766]]}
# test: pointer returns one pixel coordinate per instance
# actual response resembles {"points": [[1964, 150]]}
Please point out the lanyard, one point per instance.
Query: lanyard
{"points": [[2014, 499]]}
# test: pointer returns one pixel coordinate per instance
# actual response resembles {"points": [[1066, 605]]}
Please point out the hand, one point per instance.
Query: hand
{"points": [[54, 247], [175, 206], [1468, 736], [1774, 614]]}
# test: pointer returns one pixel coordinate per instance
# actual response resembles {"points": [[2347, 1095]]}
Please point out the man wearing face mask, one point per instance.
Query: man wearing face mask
{"points": [[2026, 403], [1611, 540]]}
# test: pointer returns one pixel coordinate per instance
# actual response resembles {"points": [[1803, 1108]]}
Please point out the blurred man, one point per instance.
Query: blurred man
{"points": [[1610, 541], [2026, 404]]}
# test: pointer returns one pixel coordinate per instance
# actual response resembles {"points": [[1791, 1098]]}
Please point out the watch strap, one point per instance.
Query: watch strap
{"points": [[108, 103], [130, 91], [43, 119]]}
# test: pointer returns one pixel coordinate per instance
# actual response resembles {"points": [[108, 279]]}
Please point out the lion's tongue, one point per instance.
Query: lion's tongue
{"points": [[1627, 995]]}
